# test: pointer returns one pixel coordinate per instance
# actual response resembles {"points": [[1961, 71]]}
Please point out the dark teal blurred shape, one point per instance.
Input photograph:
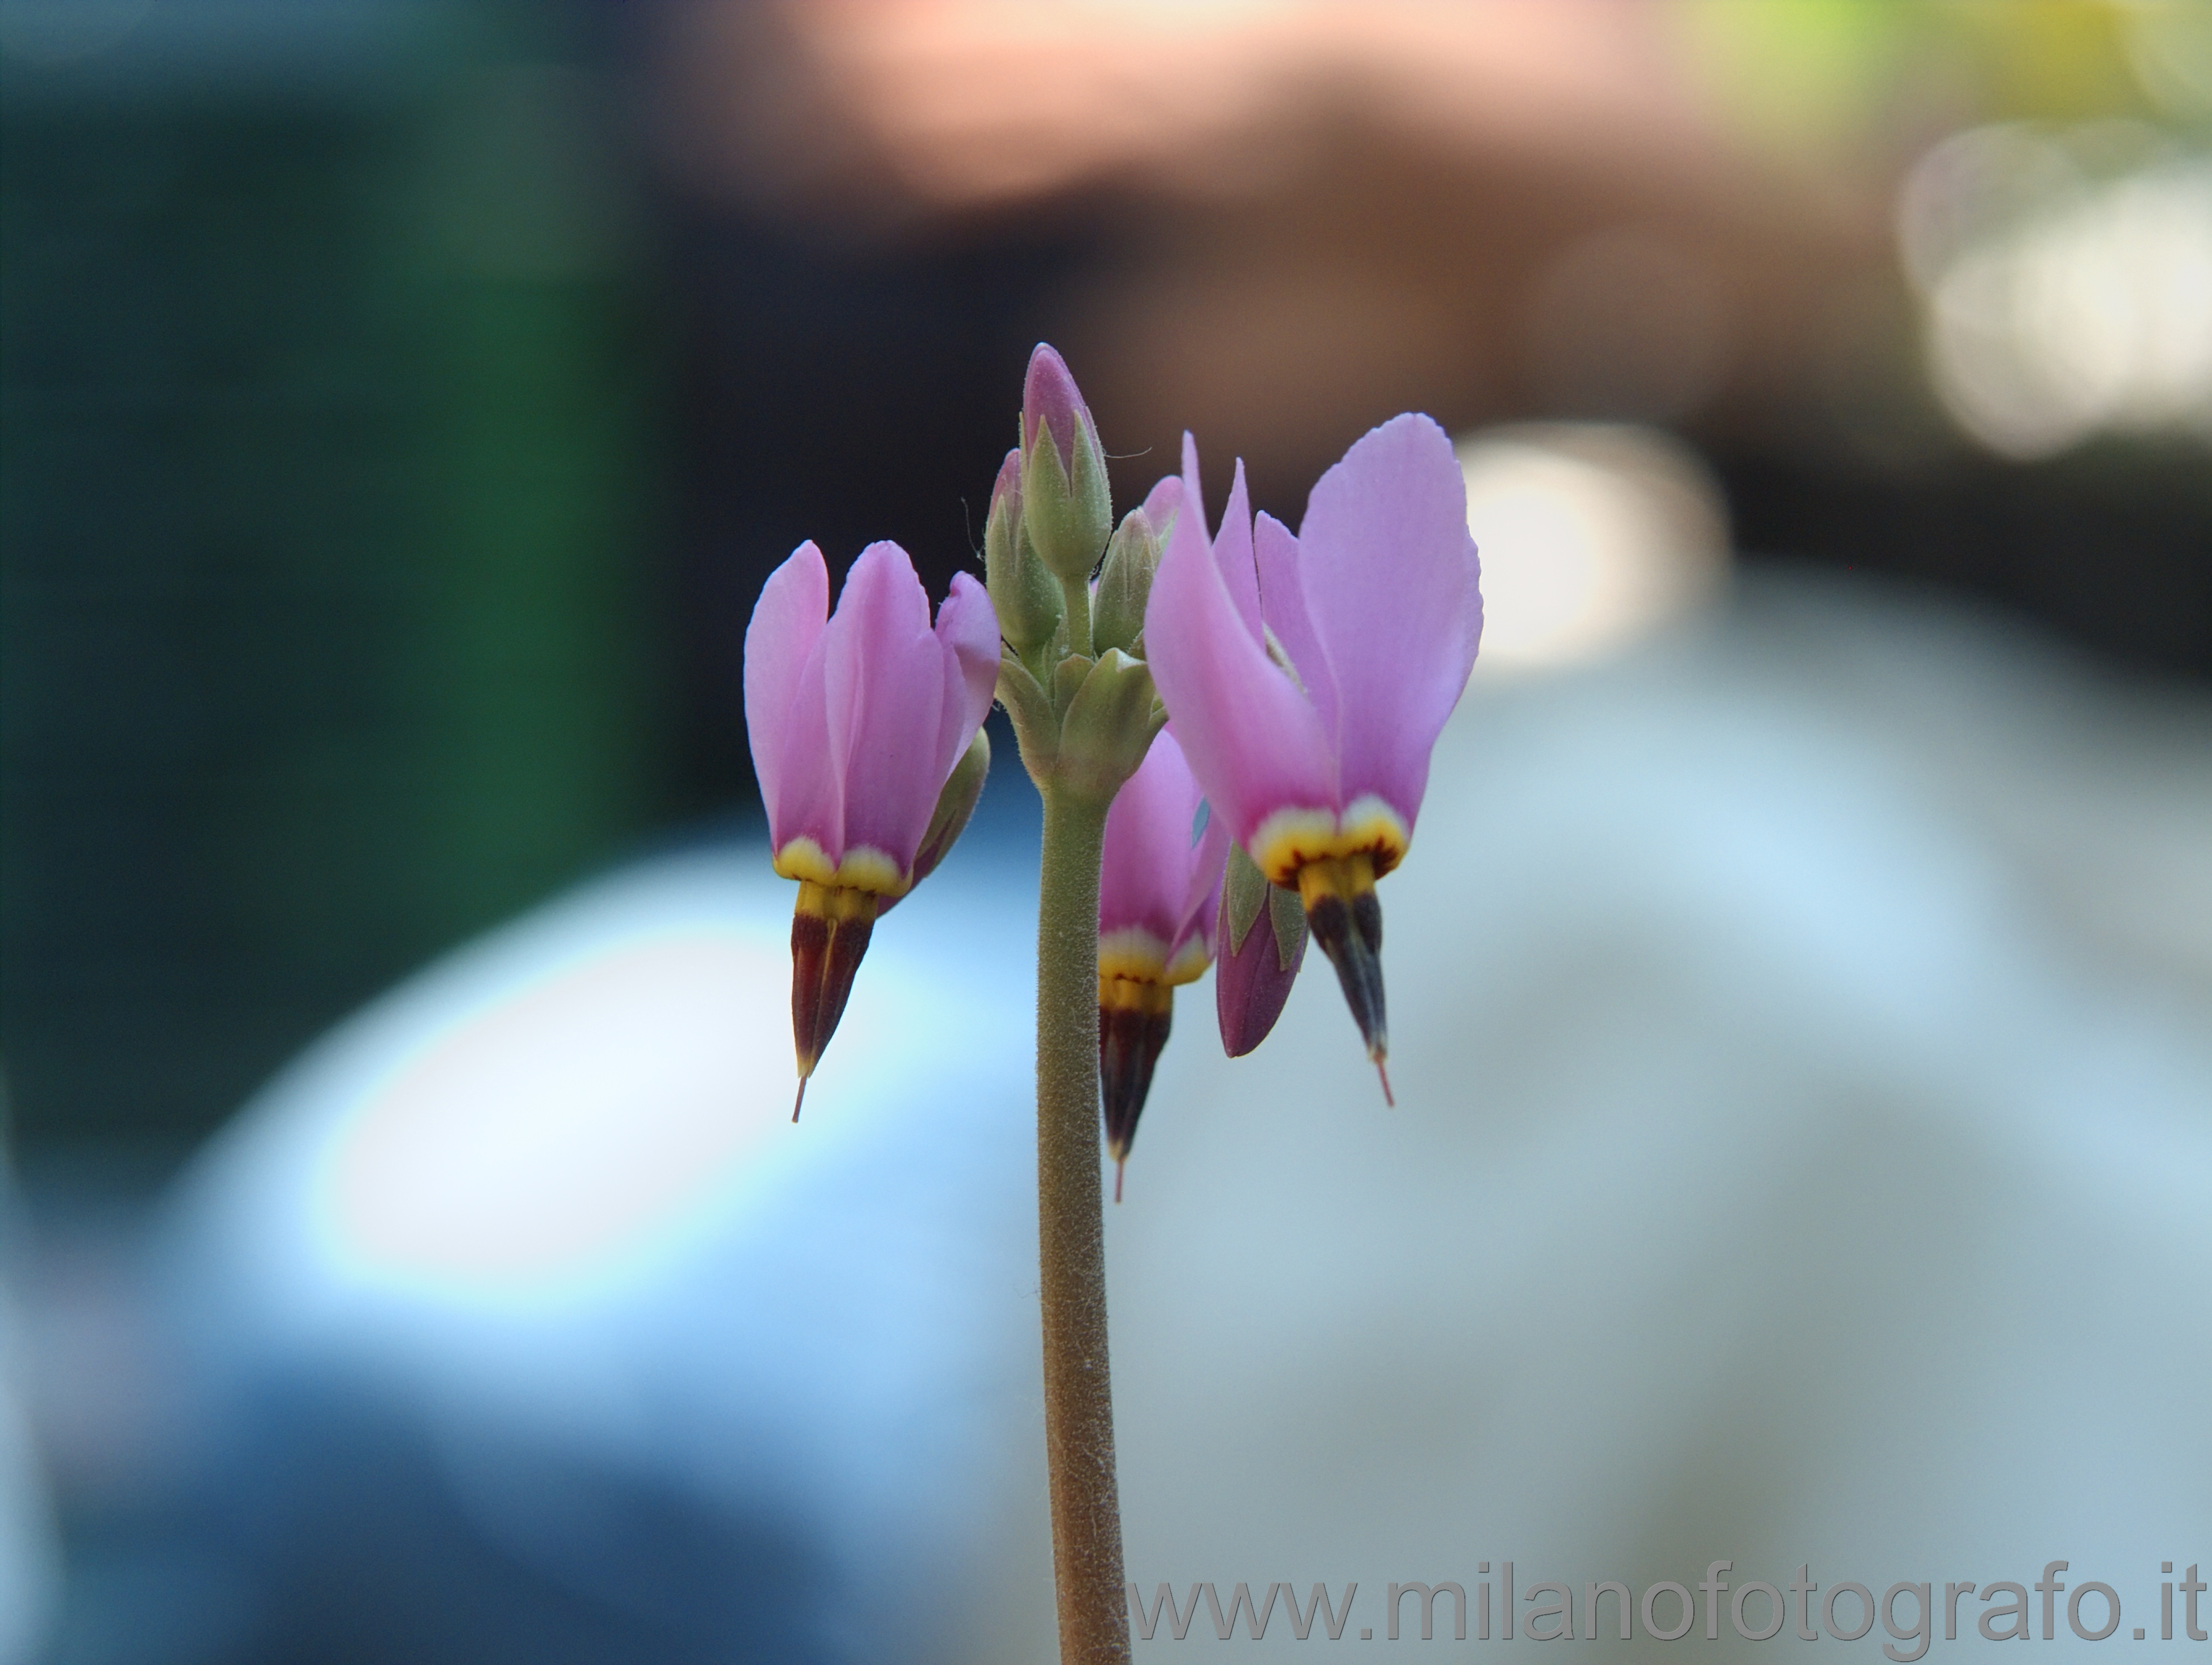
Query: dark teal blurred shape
{"points": [[323, 510]]}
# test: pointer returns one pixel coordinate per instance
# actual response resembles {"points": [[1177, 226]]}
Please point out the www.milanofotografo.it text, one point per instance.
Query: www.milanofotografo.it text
{"points": [[1911, 1615]]}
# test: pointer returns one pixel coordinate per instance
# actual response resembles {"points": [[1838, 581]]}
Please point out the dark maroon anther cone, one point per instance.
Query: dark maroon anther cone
{"points": [[830, 932], [1131, 1036]]}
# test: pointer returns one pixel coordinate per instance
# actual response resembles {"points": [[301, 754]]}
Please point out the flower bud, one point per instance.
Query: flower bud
{"points": [[1125, 584], [1261, 942], [1023, 593], [1066, 501], [1107, 727]]}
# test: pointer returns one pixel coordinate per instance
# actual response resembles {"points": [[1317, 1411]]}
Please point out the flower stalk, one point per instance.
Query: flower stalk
{"points": [[1078, 1400]]}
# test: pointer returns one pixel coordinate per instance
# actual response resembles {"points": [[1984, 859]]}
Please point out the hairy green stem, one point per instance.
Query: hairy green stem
{"points": [[1075, 598], [1078, 1400]]}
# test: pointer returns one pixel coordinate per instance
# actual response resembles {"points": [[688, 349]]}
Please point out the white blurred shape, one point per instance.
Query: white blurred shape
{"points": [[1592, 535], [583, 1111], [2059, 304]]}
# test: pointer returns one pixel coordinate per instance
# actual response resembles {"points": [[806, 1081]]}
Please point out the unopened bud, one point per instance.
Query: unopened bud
{"points": [[1125, 584], [1161, 505], [1066, 501], [1259, 944], [1024, 594]]}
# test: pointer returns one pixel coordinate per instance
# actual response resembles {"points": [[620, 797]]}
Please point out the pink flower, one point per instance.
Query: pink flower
{"points": [[1158, 887], [857, 721], [1309, 676]]}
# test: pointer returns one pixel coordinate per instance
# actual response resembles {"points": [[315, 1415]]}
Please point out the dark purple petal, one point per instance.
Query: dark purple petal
{"points": [[1250, 982]]}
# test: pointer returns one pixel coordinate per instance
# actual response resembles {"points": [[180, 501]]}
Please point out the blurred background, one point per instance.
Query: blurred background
{"points": [[402, 400]]}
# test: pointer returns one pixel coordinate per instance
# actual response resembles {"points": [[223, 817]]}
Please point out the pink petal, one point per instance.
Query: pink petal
{"points": [[967, 641], [1008, 484], [1250, 986], [810, 801], [884, 672], [1390, 581], [1050, 396], [1201, 902], [1144, 875], [1232, 544], [1163, 500], [1283, 603], [1251, 738], [793, 605]]}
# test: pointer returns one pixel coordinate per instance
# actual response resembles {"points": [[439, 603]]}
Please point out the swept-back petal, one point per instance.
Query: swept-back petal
{"points": [[1391, 586], [1201, 902], [1145, 874], [884, 672], [1232, 544], [1283, 605], [788, 620], [968, 640], [1251, 738]]}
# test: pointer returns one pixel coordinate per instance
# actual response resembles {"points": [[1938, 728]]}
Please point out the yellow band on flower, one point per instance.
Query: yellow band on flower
{"points": [[1289, 839], [1134, 953], [863, 869]]}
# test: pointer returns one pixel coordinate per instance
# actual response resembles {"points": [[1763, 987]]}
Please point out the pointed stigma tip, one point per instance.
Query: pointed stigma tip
{"points": [[796, 1104], [1119, 1163], [1383, 1069]]}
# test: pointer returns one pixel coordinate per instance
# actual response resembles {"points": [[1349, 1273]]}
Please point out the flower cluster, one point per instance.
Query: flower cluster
{"points": [[1301, 679]]}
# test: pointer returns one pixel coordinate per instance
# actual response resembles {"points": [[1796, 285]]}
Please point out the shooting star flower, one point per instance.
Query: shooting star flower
{"points": [[1308, 676], [866, 735], [1158, 888]]}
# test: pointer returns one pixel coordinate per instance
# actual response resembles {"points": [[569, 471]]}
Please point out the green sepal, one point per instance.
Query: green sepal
{"points": [[1068, 520], [1107, 727], [1036, 725], [1287, 915], [1244, 893], [1023, 593], [1125, 584], [1067, 678]]}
